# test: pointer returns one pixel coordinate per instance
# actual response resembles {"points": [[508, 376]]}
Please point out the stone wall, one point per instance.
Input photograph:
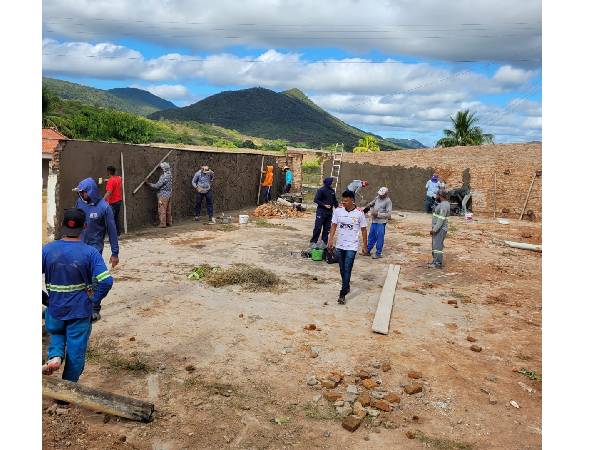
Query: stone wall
{"points": [[406, 172]]}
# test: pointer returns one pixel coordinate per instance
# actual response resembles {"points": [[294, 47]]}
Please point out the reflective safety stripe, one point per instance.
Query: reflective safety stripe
{"points": [[103, 276], [66, 287], [437, 251], [437, 216]]}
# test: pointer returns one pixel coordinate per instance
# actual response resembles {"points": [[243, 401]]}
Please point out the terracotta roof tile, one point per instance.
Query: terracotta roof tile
{"points": [[50, 140]]}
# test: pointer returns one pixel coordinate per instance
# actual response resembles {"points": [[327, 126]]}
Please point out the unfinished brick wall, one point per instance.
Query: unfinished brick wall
{"points": [[513, 164], [294, 161]]}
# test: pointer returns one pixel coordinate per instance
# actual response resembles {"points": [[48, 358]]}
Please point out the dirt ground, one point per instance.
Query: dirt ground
{"points": [[221, 364]]}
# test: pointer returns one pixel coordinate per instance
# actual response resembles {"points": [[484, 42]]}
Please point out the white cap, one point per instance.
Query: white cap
{"points": [[382, 190]]}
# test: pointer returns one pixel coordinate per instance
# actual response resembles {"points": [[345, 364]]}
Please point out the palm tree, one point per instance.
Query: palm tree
{"points": [[464, 132], [366, 144]]}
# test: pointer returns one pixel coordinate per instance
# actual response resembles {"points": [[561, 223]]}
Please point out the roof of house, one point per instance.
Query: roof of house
{"points": [[50, 138]]}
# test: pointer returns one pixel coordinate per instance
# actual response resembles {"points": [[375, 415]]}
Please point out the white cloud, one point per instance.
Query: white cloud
{"points": [[171, 92], [511, 76], [508, 31]]}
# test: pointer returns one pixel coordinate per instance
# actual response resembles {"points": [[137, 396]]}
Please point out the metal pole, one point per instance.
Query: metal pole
{"points": [[124, 202]]}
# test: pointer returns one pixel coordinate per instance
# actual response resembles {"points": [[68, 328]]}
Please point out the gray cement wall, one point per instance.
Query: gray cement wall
{"points": [[406, 184], [235, 187]]}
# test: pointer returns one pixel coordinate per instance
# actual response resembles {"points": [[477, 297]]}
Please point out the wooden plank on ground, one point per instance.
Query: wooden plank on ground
{"points": [[96, 400], [381, 321]]}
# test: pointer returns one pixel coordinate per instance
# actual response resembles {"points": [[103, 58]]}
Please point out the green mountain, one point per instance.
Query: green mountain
{"points": [[288, 115], [140, 96], [135, 101], [407, 143]]}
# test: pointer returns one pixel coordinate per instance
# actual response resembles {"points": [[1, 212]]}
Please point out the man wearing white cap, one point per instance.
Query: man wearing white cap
{"points": [[381, 210]]}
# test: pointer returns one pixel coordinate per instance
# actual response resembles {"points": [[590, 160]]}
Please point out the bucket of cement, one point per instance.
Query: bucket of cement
{"points": [[469, 217], [244, 218]]}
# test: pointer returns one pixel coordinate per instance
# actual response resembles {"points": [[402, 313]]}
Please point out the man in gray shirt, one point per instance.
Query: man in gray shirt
{"points": [[439, 228], [202, 182], [381, 212]]}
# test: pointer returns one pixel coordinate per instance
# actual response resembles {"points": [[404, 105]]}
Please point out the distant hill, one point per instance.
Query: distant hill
{"points": [[135, 101], [140, 96], [288, 115], [407, 143]]}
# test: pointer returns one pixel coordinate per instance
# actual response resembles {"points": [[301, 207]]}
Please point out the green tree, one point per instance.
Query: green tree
{"points": [[464, 132], [366, 144]]}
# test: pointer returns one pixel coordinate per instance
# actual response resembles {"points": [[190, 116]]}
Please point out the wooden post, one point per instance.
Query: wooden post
{"points": [[381, 321], [262, 163], [123, 189], [494, 195], [528, 193], [151, 172], [97, 400]]}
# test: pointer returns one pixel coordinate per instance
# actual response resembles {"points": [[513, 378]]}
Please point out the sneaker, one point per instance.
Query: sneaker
{"points": [[52, 365], [211, 221], [313, 245], [96, 316], [342, 300], [197, 218], [430, 265], [376, 256]]}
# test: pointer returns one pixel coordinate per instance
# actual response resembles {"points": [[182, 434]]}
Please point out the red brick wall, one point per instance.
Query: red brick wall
{"points": [[514, 165]]}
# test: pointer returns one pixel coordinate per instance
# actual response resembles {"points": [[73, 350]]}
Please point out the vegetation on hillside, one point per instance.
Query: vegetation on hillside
{"points": [[127, 100], [78, 121], [289, 116], [464, 132], [366, 144]]}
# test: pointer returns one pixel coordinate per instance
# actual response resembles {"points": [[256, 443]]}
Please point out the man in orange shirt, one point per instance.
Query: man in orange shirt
{"points": [[114, 195], [267, 184]]}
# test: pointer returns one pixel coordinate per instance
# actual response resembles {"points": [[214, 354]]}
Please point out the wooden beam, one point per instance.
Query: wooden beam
{"points": [[151, 172], [494, 194], [262, 164], [97, 400], [528, 192], [381, 321], [524, 246], [123, 190]]}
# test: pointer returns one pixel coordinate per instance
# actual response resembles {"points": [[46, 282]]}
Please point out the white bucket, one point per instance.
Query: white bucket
{"points": [[244, 218], [469, 217]]}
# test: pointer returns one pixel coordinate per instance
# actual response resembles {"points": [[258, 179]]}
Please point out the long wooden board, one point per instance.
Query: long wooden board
{"points": [[151, 172], [381, 321], [97, 400]]}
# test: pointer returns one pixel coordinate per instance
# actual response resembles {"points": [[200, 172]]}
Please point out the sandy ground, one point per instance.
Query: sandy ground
{"points": [[221, 364]]}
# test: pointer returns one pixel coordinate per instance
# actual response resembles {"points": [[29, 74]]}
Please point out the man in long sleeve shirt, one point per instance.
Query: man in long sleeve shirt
{"points": [[381, 210], [71, 267], [202, 182], [326, 202], [99, 220], [164, 185], [439, 228], [432, 186]]}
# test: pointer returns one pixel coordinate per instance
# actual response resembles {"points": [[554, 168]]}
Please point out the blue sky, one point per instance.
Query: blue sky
{"points": [[382, 67]]}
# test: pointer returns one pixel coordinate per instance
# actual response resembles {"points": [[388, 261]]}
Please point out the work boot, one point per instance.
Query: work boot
{"points": [[96, 316], [52, 365], [197, 218], [342, 300]]}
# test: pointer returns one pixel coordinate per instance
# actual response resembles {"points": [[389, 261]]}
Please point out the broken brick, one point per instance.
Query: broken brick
{"points": [[328, 384], [471, 339], [413, 388], [351, 423], [475, 348], [369, 384], [364, 399], [336, 377], [382, 405], [331, 396], [392, 398], [452, 302], [410, 435], [386, 367], [414, 374], [310, 327], [363, 374]]}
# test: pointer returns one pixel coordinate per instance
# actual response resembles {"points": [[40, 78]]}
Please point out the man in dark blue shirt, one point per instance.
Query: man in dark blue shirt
{"points": [[71, 267], [326, 203]]}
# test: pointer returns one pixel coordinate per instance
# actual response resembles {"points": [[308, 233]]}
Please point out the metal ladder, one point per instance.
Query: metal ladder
{"points": [[336, 166]]}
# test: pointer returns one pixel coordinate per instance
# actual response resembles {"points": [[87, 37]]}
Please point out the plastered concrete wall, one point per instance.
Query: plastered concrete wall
{"points": [[235, 187], [406, 172]]}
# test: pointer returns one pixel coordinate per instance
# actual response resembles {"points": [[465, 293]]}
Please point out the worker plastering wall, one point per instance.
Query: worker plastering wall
{"points": [[235, 187], [405, 173]]}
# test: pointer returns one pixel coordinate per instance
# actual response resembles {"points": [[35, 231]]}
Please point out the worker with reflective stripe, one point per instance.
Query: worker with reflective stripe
{"points": [[439, 228], [71, 267]]}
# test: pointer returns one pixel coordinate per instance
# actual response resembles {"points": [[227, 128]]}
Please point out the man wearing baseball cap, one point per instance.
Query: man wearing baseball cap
{"points": [[381, 212], [71, 267]]}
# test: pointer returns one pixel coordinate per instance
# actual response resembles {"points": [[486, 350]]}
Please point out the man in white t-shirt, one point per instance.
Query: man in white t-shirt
{"points": [[347, 223]]}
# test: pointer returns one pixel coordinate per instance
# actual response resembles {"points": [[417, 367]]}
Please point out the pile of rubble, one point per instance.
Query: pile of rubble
{"points": [[274, 209], [364, 395]]}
